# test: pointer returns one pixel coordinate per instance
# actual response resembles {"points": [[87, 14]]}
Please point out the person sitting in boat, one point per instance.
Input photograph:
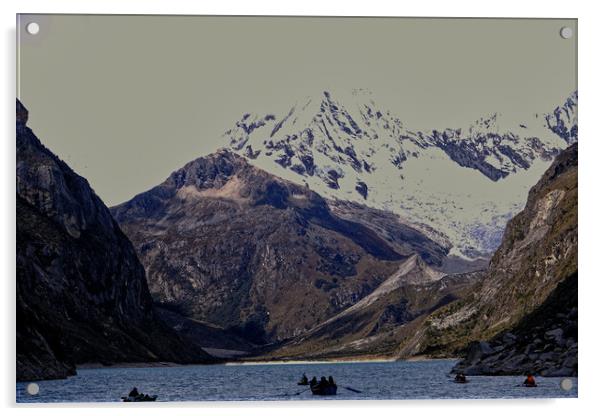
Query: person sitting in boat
{"points": [[134, 392], [331, 381], [313, 381], [323, 382], [460, 378], [530, 381], [303, 380]]}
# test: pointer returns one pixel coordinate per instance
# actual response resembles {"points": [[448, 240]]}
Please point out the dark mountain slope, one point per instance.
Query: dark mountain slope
{"points": [[231, 244], [81, 291], [538, 252]]}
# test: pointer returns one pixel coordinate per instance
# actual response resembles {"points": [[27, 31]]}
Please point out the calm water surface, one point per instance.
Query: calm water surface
{"points": [[376, 380]]}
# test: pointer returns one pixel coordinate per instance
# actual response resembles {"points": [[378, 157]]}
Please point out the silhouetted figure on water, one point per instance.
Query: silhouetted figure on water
{"points": [[460, 378], [530, 381], [303, 381]]}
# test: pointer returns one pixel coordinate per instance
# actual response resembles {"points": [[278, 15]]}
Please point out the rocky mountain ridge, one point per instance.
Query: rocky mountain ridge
{"points": [[231, 244], [376, 324], [449, 180]]}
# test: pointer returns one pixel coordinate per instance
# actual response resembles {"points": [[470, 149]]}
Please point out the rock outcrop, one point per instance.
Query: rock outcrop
{"points": [[543, 342], [81, 291]]}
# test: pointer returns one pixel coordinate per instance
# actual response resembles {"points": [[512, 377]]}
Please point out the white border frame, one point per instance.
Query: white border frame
{"points": [[588, 13]]}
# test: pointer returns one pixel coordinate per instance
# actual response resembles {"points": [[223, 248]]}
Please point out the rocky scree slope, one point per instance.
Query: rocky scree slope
{"points": [[380, 321]]}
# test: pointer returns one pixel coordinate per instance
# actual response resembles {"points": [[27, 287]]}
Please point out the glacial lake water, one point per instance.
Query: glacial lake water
{"points": [[376, 380]]}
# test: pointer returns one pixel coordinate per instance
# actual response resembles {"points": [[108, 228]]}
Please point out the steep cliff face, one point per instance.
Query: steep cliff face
{"points": [[538, 252], [539, 248], [231, 244], [81, 291]]}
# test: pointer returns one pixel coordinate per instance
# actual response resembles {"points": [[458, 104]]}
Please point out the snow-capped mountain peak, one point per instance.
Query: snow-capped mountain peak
{"points": [[464, 182]]}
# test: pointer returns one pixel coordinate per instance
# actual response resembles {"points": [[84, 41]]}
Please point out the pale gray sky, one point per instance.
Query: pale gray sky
{"points": [[125, 100]]}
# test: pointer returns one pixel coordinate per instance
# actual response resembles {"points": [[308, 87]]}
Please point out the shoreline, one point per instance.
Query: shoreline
{"points": [[151, 364], [298, 362]]}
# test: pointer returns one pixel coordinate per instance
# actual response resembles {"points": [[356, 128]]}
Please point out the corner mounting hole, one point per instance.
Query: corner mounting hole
{"points": [[566, 384], [33, 389], [32, 28], [566, 32]]}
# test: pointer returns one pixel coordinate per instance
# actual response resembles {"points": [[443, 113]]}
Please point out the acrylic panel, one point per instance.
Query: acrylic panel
{"points": [[295, 208]]}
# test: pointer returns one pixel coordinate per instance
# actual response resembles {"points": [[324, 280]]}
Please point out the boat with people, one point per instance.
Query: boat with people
{"points": [[323, 387], [140, 398], [460, 378], [324, 390], [135, 396]]}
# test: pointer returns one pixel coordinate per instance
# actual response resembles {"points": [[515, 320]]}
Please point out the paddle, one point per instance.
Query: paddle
{"points": [[302, 391], [295, 394], [351, 389]]}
